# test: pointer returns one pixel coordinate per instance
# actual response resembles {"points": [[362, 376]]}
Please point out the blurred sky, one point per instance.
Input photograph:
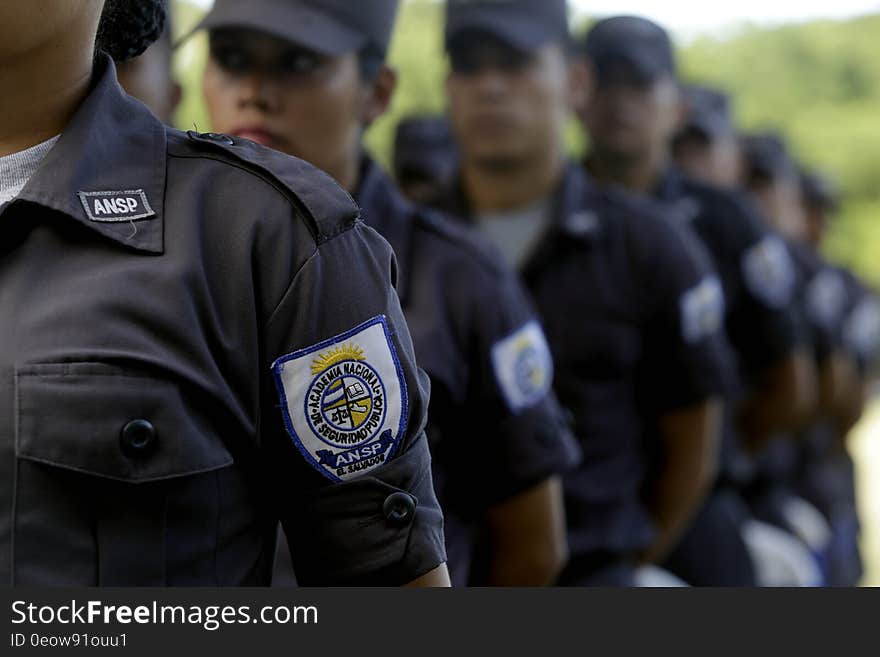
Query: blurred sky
{"points": [[689, 17]]}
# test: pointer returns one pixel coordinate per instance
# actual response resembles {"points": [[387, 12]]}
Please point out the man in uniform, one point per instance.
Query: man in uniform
{"points": [[631, 120], [187, 318], [499, 439], [827, 474], [424, 156], [631, 308], [706, 146]]}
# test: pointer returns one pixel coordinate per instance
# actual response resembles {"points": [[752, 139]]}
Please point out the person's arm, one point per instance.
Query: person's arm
{"points": [[527, 537], [686, 374], [690, 441], [850, 400], [505, 454], [437, 578], [343, 428], [783, 399]]}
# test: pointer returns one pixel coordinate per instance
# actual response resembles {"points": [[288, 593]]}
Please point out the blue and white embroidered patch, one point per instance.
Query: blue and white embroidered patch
{"points": [[826, 297], [702, 310], [344, 400], [769, 272], [523, 367]]}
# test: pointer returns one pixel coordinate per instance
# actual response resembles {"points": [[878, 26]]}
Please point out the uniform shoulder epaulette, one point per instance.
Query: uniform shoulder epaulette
{"points": [[329, 209]]}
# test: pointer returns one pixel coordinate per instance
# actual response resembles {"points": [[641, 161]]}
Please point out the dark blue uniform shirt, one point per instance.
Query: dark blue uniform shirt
{"points": [[760, 286], [494, 426], [633, 314]]}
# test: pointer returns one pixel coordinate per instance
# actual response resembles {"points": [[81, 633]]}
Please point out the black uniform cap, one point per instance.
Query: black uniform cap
{"points": [[328, 27], [630, 41], [818, 191], [424, 144], [766, 156], [708, 112], [525, 25]]}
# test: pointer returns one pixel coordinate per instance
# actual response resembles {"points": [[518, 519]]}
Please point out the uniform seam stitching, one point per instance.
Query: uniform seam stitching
{"points": [[319, 236], [312, 256]]}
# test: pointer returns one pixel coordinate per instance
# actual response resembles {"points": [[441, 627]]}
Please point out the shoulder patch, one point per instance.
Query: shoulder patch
{"points": [[862, 329], [702, 310], [523, 367], [344, 400], [769, 272], [826, 297], [327, 205]]}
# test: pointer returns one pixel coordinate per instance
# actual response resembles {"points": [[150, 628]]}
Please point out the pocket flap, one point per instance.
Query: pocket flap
{"points": [[73, 416]]}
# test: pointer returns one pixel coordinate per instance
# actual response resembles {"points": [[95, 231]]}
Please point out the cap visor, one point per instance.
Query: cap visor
{"points": [[518, 32], [296, 23], [623, 64], [710, 127]]}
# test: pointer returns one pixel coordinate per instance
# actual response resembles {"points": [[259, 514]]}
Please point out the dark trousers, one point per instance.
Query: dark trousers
{"points": [[600, 569], [712, 552]]}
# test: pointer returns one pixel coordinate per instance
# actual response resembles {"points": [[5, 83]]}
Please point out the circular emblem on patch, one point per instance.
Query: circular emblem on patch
{"points": [[345, 403], [530, 371]]}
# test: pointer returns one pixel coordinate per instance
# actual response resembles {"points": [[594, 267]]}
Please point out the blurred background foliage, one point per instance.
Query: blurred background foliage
{"points": [[817, 82]]}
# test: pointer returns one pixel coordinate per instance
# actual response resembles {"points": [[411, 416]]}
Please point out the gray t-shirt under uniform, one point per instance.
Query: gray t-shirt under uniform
{"points": [[516, 232], [16, 169]]}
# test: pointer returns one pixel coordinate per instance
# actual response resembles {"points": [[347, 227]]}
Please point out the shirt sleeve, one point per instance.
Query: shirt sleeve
{"points": [[823, 299], [687, 357], [762, 324], [510, 432], [861, 326], [344, 415]]}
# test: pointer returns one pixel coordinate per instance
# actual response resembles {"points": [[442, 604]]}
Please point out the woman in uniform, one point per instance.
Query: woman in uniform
{"points": [[200, 339]]}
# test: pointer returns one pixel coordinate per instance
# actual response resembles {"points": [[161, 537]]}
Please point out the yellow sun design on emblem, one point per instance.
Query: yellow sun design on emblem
{"points": [[342, 352]]}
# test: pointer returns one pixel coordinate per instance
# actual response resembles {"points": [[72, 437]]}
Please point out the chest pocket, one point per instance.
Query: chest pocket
{"points": [[116, 478]]}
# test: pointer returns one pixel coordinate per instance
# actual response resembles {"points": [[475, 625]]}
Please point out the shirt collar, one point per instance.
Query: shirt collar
{"points": [[112, 144], [669, 185], [572, 215]]}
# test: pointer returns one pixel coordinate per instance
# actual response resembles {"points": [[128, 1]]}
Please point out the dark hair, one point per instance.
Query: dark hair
{"points": [[128, 27]]}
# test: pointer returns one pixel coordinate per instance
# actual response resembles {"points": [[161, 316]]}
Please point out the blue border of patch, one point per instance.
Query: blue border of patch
{"points": [[285, 411]]}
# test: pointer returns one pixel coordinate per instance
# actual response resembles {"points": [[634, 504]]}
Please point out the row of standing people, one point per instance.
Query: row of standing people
{"points": [[642, 371]]}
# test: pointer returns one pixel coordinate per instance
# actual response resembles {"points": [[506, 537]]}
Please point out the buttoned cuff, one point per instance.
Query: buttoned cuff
{"points": [[385, 529]]}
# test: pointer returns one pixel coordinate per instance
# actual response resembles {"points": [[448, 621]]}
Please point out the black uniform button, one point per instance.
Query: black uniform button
{"points": [[138, 438], [399, 509], [211, 136]]}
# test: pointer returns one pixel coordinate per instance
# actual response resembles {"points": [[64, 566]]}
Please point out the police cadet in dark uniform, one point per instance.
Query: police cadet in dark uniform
{"points": [[200, 339], [706, 146], [631, 121], [498, 437], [771, 175], [424, 156], [826, 477], [631, 309]]}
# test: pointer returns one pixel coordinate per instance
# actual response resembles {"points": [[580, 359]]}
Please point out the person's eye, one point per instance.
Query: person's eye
{"points": [[231, 59], [300, 63], [513, 62], [464, 64]]}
